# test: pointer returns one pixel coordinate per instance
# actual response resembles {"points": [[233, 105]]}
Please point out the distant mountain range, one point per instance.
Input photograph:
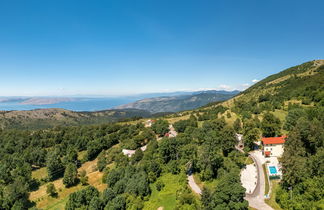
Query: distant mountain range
{"points": [[176, 103], [49, 117]]}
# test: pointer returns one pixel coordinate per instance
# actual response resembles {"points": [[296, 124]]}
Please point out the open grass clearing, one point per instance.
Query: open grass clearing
{"points": [[44, 201], [165, 198], [40, 173]]}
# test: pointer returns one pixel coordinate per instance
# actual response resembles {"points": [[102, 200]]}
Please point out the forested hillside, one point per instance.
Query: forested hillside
{"points": [[207, 150], [47, 118], [290, 102], [83, 167]]}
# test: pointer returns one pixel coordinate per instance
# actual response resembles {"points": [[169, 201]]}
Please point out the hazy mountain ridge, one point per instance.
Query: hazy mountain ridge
{"points": [[180, 102], [45, 118]]}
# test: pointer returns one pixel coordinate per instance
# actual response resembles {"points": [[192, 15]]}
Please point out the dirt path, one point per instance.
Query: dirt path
{"points": [[193, 185]]}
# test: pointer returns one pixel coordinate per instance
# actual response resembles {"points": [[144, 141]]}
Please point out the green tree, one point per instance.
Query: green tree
{"points": [[227, 140], [108, 195], [138, 155], [95, 204], [160, 127], [237, 125], [229, 194], [102, 161], [93, 149], [70, 175], [270, 125], [54, 165], [159, 185], [118, 203], [83, 178], [292, 118], [250, 137], [51, 190]]}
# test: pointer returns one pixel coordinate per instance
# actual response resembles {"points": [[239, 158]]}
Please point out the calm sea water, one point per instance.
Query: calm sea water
{"points": [[84, 104]]}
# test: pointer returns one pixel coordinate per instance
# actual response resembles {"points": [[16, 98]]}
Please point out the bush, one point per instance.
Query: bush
{"points": [[159, 185], [51, 190]]}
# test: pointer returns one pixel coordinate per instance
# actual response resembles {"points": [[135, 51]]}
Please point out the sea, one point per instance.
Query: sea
{"points": [[78, 104]]}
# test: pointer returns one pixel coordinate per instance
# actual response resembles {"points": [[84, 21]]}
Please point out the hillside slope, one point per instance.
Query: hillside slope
{"points": [[303, 84], [181, 102], [45, 118]]}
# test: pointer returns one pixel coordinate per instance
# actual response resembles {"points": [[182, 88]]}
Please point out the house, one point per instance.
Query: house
{"points": [[239, 139], [273, 146], [130, 153], [149, 123]]}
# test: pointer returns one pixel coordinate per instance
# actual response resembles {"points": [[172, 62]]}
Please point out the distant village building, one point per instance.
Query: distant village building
{"points": [[130, 153], [273, 146], [149, 123], [239, 139]]}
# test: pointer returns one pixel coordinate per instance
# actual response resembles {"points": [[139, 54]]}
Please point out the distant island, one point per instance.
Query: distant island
{"points": [[46, 100]]}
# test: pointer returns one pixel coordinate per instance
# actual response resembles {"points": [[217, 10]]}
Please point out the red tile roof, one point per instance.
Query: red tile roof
{"points": [[274, 140]]}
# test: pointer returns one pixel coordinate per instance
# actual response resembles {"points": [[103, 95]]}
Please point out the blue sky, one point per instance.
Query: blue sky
{"points": [[123, 47]]}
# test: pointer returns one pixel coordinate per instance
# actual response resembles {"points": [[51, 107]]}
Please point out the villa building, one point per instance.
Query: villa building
{"points": [[273, 146]]}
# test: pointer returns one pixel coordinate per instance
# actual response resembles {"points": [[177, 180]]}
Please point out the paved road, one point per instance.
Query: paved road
{"points": [[193, 185], [256, 199]]}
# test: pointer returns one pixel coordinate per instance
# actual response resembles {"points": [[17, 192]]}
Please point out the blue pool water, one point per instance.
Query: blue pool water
{"points": [[273, 170]]}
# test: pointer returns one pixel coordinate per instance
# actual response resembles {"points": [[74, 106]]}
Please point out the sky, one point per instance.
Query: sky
{"points": [[121, 47]]}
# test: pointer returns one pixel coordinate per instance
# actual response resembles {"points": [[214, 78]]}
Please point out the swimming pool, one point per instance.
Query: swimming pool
{"points": [[273, 170]]}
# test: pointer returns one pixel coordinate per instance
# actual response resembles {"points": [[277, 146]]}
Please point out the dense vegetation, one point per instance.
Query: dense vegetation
{"points": [[207, 150], [303, 166]]}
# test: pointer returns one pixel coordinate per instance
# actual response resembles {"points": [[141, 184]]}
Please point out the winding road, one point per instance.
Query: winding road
{"points": [[256, 199]]}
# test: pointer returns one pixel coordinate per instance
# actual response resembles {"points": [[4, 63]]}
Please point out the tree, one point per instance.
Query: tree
{"points": [[71, 156], [16, 194], [251, 136], [181, 125], [160, 127], [108, 195], [118, 203], [237, 125], [270, 125], [102, 161], [227, 140], [159, 185], [93, 149], [138, 155], [70, 175], [169, 149], [83, 178], [292, 118], [81, 199], [229, 194], [209, 161], [206, 198], [95, 204], [51, 190], [54, 165]]}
